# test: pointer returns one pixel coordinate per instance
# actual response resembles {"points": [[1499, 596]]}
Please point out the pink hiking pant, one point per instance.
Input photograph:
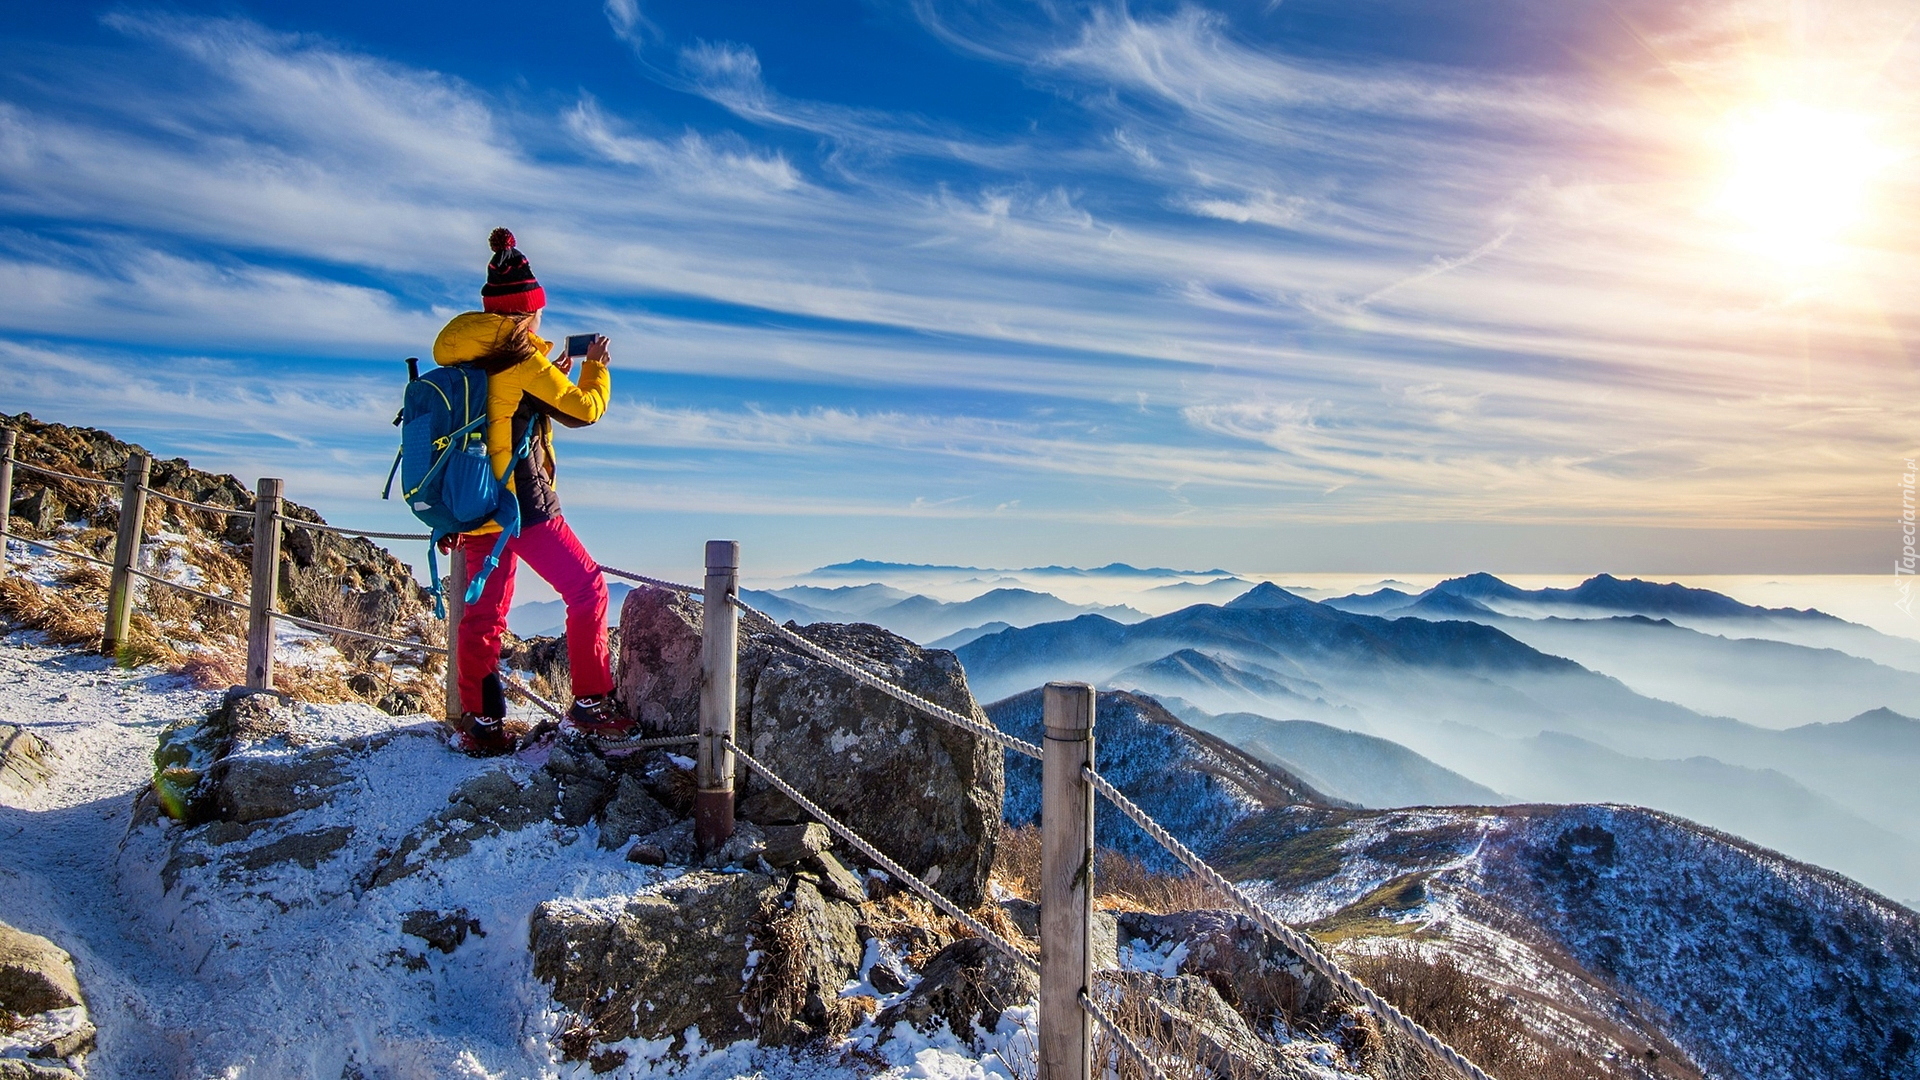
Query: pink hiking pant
{"points": [[557, 555]]}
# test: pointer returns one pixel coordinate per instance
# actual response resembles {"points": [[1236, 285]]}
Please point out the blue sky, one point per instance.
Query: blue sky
{"points": [[1305, 286]]}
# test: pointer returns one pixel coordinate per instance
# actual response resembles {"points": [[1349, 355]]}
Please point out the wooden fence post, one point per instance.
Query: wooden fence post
{"points": [[266, 584], [7, 438], [1066, 882], [126, 552], [456, 598], [719, 661]]}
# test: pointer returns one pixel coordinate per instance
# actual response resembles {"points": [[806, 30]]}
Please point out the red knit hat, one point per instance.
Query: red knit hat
{"points": [[511, 286]]}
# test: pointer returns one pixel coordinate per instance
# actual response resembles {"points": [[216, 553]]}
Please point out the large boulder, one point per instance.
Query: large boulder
{"points": [[926, 793], [660, 674], [739, 955]]}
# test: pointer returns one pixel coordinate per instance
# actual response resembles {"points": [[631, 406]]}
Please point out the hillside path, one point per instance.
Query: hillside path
{"points": [[58, 844]]}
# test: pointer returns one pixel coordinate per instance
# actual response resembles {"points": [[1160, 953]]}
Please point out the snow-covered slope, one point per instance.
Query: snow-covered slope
{"points": [[1193, 783], [1614, 923]]}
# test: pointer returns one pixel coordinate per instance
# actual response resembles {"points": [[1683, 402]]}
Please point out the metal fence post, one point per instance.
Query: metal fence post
{"points": [[7, 438], [126, 552], [266, 584], [456, 597], [719, 661], [1066, 882]]}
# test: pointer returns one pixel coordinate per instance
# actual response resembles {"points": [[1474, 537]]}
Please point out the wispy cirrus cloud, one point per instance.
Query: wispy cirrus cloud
{"points": [[1234, 284]]}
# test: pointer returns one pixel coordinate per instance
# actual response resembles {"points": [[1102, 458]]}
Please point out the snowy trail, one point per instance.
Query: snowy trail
{"points": [[58, 844]]}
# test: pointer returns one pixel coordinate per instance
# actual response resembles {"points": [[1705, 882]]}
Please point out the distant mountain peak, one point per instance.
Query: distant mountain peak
{"points": [[1266, 595], [1479, 586]]}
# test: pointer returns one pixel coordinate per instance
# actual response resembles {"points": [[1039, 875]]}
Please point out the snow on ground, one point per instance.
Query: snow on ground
{"points": [[291, 971]]}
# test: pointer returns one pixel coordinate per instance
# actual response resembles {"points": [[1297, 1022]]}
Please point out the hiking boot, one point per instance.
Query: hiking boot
{"points": [[595, 716], [484, 736]]}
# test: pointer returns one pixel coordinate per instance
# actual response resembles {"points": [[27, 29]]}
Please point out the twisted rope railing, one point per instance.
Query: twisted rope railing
{"points": [[655, 582], [58, 550], [229, 511], [224, 601], [1295, 941], [894, 869], [328, 628], [867, 678], [44, 471], [336, 530]]}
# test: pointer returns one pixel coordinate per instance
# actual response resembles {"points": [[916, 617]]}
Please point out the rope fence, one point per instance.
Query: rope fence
{"points": [[645, 580], [1069, 829], [209, 508], [58, 475], [314, 526], [867, 678], [1296, 942], [58, 550], [894, 869], [223, 601], [328, 628]]}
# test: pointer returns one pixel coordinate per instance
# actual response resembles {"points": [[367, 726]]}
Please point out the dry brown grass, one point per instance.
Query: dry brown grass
{"points": [[1473, 1016], [1120, 882], [63, 616], [1180, 1049]]}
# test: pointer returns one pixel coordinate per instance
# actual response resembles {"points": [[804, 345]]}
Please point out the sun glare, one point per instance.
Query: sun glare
{"points": [[1797, 179]]}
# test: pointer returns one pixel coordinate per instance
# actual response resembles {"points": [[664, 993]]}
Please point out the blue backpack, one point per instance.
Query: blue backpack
{"points": [[446, 475]]}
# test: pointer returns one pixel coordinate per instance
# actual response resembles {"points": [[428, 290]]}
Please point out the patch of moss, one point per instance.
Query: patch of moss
{"points": [[1424, 845], [1373, 915], [1289, 861]]}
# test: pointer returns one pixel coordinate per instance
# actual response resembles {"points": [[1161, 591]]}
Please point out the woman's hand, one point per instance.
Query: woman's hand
{"points": [[446, 544], [597, 352]]}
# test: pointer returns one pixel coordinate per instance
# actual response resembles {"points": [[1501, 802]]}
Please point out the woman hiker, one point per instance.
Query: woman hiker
{"points": [[526, 392]]}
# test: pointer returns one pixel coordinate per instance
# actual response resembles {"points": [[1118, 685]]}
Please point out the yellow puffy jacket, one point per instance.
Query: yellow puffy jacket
{"points": [[525, 393]]}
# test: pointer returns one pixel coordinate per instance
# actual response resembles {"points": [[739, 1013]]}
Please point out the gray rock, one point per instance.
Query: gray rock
{"points": [[887, 976], [307, 849], [442, 930], [1106, 930], [1255, 974], [675, 843], [679, 957], [631, 812], [25, 759], [925, 792], [35, 974], [1196, 1023], [647, 854], [812, 946], [790, 845], [487, 805], [257, 788], [967, 982], [660, 673], [743, 848], [586, 783], [837, 879]]}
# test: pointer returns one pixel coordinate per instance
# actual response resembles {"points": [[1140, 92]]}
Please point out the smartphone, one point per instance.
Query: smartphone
{"points": [[578, 344]]}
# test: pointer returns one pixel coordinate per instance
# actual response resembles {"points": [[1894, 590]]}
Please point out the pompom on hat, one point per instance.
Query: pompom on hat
{"points": [[511, 286]]}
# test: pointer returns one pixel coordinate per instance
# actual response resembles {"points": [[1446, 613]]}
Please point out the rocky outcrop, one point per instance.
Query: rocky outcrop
{"points": [[739, 955], [342, 580], [47, 1031], [967, 982], [926, 793], [1252, 972]]}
